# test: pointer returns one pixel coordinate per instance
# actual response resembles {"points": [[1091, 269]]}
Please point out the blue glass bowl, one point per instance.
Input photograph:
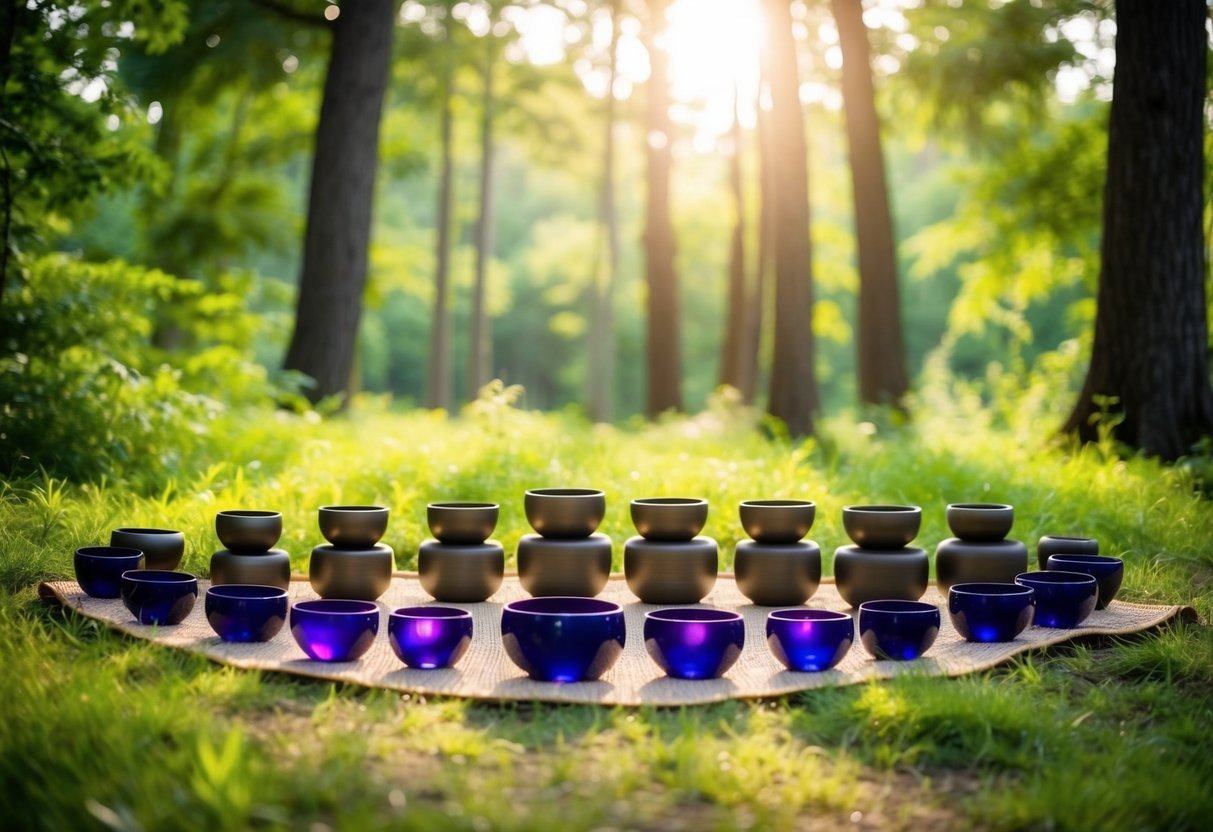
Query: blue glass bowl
{"points": [[1107, 572], [335, 630], [986, 612], [156, 596], [561, 638], [246, 612], [694, 642], [901, 630], [1063, 599], [99, 569], [429, 637], [809, 640]]}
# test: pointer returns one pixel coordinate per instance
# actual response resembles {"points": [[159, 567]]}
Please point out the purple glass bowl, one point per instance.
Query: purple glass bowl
{"points": [[694, 642], [335, 630], [99, 569], [157, 596], [1063, 599], [429, 637], [900, 630], [809, 640], [1107, 572], [987, 612], [563, 638], [246, 612]]}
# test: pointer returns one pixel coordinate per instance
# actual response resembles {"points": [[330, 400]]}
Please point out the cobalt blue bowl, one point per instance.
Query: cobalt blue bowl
{"points": [[157, 596], [562, 638], [99, 569], [1063, 599], [246, 612], [335, 630], [1107, 572], [901, 630], [694, 642], [986, 612], [429, 637], [809, 640]]}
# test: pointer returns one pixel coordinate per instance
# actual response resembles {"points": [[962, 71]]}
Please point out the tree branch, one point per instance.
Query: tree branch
{"points": [[286, 10]]}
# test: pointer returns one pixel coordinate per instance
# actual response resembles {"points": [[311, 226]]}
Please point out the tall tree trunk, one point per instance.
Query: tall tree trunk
{"points": [[882, 359], [1151, 333], [438, 380], [601, 378], [480, 354], [733, 365], [336, 243], [793, 392], [664, 336], [759, 300]]}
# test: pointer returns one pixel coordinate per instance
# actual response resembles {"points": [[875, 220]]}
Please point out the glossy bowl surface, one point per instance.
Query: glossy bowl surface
{"points": [[1063, 599], [99, 568], [248, 532], [353, 527], [429, 637], [162, 549], [669, 518], [980, 522], [1062, 544], [900, 630], [246, 612], [807, 640], [462, 524], [777, 521], [883, 526], [158, 596], [336, 630], [564, 512], [563, 638], [694, 642], [990, 612], [1108, 572]]}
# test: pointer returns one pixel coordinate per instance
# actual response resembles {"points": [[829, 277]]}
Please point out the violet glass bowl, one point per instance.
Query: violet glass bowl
{"points": [[429, 637], [807, 640], [1063, 599], [563, 638], [990, 612], [157, 596], [246, 612], [694, 642], [335, 630], [1107, 572], [99, 568], [900, 630]]}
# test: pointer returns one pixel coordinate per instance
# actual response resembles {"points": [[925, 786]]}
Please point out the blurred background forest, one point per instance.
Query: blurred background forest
{"points": [[569, 196]]}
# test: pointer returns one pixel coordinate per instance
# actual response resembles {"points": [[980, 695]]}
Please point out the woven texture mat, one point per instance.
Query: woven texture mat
{"points": [[485, 672]]}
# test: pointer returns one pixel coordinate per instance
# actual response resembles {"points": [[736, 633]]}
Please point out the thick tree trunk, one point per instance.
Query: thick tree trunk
{"points": [[733, 364], [438, 379], [480, 354], [664, 332], [1151, 334], [337, 239], [601, 378], [759, 300], [793, 392], [882, 360]]}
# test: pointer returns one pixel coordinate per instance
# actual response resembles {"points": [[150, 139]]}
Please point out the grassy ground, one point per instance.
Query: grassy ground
{"points": [[101, 731]]}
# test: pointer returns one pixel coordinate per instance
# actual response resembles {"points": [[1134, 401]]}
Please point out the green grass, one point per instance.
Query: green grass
{"points": [[103, 731]]}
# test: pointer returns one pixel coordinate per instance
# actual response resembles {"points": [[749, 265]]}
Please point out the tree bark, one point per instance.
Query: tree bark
{"points": [[793, 392], [882, 360], [480, 353], [664, 336], [601, 378], [759, 300], [438, 380], [733, 365], [1149, 362], [337, 239]]}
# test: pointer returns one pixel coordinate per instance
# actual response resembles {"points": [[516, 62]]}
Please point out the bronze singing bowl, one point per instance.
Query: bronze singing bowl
{"points": [[248, 531], [162, 548], [462, 524], [466, 573], [548, 566], [272, 568], [669, 518], [670, 572], [356, 574], [881, 527], [981, 522], [353, 527], [777, 574], [564, 513], [777, 521]]}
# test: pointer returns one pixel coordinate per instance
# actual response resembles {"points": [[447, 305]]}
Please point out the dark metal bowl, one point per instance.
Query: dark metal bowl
{"points": [[353, 527], [248, 532], [669, 518], [565, 512], [359, 574], [777, 521], [162, 548], [980, 522], [462, 524], [882, 527]]}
